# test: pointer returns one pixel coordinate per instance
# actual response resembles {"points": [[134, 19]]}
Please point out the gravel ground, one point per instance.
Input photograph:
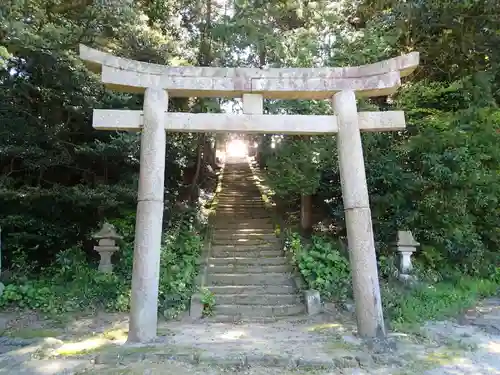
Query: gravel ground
{"points": [[323, 345]]}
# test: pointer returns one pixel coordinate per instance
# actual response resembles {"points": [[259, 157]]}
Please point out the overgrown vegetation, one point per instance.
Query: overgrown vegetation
{"points": [[208, 302], [324, 264], [72, 285]]}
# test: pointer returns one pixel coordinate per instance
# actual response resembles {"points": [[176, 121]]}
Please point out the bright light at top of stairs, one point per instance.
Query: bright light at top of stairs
{"points": [[237, 148]]}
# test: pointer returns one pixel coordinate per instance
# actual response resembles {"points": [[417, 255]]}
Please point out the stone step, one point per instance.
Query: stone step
{"points": [[254, 198], [242, 209], [240, 216], [217, 226], [239, 319], [243, 248], [232, 268], [248, 254], [242, 241], [235, 203], [258, 299], [243, 245], [232, 218], [249, 279], [269, 227], [233, 235], [239, 198], [259, 310], [241, 206], [243, 231], [235, 206], [245, 223], [241, 195], [251, 289], [245, 261]]}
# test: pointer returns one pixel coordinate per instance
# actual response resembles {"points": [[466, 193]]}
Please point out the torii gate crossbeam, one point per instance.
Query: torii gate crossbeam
{"points": [[340, 85]]}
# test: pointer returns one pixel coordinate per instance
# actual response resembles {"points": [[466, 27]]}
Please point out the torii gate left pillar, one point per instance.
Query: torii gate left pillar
{"points": [[341, 85], [149, 219]]}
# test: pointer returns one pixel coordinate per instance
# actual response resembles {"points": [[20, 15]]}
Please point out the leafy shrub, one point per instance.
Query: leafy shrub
{"points": [[72, 284], [208, 301], [179, 259], [322, 265], [407, 307]]}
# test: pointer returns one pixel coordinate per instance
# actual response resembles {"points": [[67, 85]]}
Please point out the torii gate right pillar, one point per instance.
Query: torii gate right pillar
{"points": [[358, 219]]}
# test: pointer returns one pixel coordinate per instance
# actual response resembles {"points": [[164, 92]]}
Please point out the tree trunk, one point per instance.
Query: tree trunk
{"points": [[306, 210], [209, 153], [195, 190]]}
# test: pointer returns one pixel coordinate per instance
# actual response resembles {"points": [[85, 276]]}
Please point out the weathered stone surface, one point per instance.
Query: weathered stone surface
{"points": [[253, 104], [405, 246], [247, 270], [148, 230], [405, 64], [358, 218], [308, 83], [107, 237], [313, 345], [112, 119], [196, 307], [313, 302]]}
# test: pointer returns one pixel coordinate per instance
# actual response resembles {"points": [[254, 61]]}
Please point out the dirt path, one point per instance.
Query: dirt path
{"points": [[323, 345]]}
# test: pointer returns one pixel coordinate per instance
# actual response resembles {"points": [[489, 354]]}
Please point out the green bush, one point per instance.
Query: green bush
{"points": [[408, 307], [72, 284], [179, 259], [69, 285], [325, 268], [322, 265], [439, 178]]}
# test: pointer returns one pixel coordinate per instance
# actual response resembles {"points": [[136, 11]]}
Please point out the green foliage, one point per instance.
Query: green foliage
{"points": [[452, 193], [322, 265], [407, 307], [325, 269], [179, 259], [58, 176], [72, 284], [208, 301], [67, 286]]}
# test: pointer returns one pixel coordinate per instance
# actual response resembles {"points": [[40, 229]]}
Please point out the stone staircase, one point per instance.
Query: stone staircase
{"points": [[247, 270]]}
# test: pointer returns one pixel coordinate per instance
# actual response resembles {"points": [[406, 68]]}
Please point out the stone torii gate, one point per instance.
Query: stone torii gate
{"points": [[340, 85]]}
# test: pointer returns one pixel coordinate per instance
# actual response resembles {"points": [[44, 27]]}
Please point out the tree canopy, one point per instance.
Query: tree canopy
{"points": [[439, 178]]}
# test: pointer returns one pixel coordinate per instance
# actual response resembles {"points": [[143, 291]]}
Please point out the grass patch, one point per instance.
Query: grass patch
{"points": [[430, 361], [33, 333], [91, 345], [410, 307], [115, 334], [340, 344]]}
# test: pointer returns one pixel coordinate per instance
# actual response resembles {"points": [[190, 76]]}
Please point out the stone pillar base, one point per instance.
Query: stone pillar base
{"points": [[196, 307], [313, 301]]}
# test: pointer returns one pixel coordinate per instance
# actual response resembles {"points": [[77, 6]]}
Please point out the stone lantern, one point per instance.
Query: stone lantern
{"points": [[405, 246], [107, 237]]}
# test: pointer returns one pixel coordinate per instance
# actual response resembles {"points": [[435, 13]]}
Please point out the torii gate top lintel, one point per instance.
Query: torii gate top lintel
{"points": [[377, 79]]}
